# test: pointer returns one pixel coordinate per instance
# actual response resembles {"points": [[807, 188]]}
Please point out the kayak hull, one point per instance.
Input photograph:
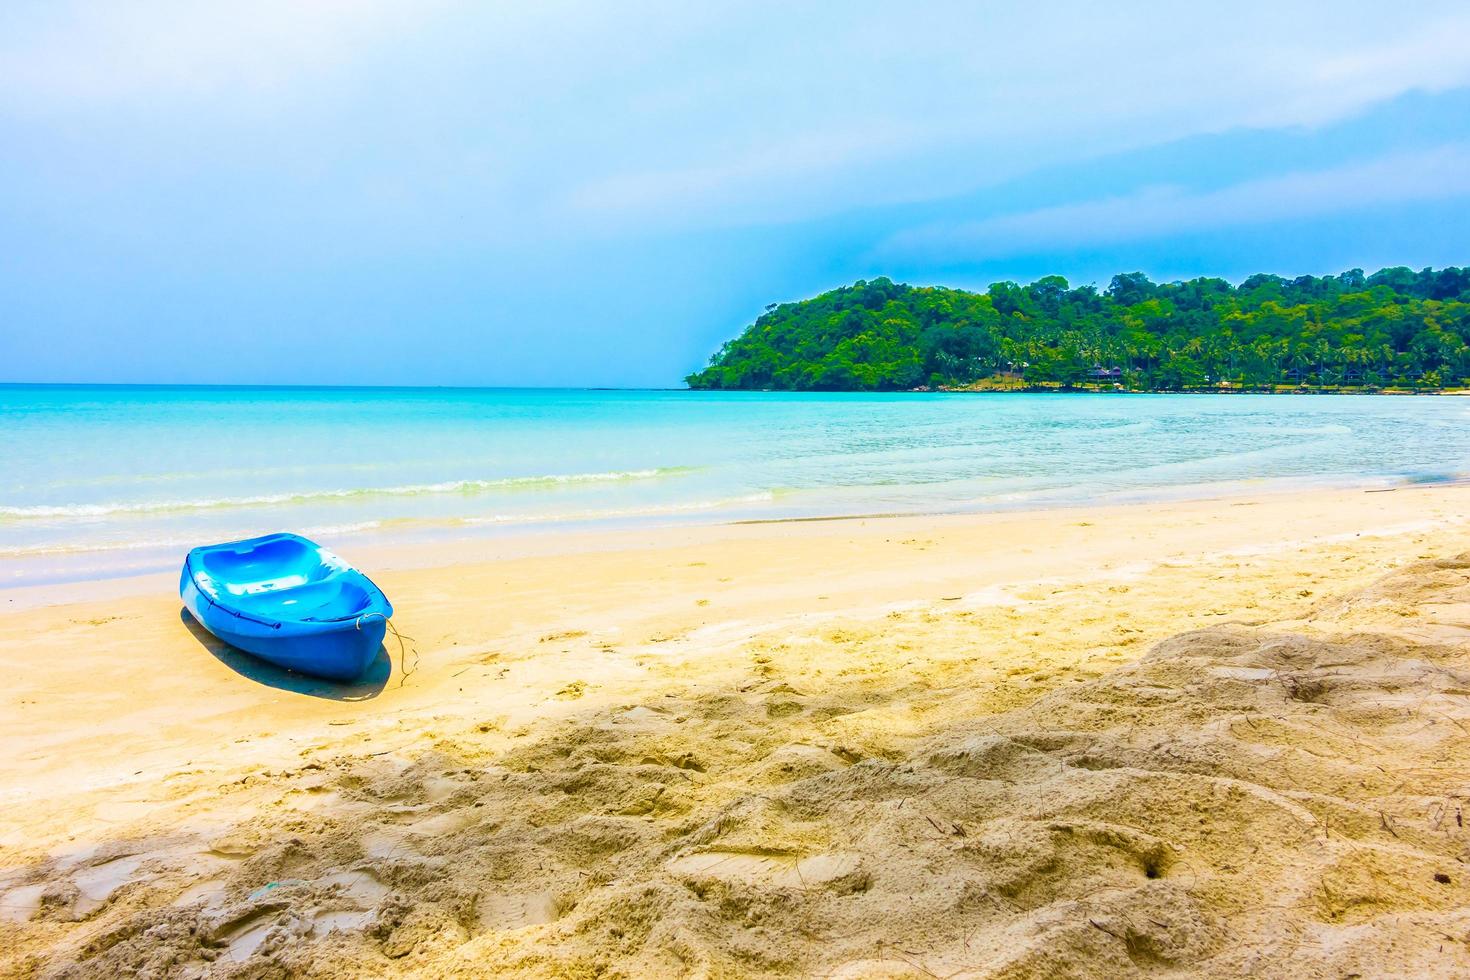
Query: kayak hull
{"points": [[288, 601]]}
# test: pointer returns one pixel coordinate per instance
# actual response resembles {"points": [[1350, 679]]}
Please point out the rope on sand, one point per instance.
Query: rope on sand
{"points": [[403, 648]]}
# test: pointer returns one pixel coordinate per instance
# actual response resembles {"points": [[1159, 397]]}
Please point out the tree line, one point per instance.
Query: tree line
{"points": [[1394, 329]]}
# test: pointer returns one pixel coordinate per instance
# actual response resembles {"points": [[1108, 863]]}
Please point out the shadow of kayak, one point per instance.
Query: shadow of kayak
{"points": [[365, 688]]}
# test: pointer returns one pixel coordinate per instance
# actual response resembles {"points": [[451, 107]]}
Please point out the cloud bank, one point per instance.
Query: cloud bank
{"points": [[1439, 173]]}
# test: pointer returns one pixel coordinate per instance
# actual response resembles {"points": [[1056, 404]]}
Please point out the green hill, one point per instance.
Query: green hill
{"points": [[1395, 328]]}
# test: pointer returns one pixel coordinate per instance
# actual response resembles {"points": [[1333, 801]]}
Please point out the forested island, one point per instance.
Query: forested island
{"points": [[1395, 329]]}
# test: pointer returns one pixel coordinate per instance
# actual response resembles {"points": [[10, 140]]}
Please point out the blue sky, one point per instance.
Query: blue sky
{"points": [[554, 193]]}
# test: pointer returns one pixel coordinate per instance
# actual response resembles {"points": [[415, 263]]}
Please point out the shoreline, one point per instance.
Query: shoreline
{"points": [[1281, 390], [454, 533], [593, 705], [1058, 390]]}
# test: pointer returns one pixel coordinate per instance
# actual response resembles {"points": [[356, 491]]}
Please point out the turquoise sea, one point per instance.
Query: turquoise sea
{"points": [[117, 480]]}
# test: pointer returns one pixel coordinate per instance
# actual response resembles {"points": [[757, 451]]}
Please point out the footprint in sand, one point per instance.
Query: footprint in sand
{"points": [[293, 911], [207, 869], [502, 913], [313, 799], [782, 870], [444, 823], [211, 892], [381, 844], [365, 891], [243, 934], [362, 887], [97, 883], [325, 923], [440, 788], [20, 904]]}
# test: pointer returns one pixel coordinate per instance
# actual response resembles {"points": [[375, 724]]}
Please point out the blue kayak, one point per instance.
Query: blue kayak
{"points": [[289, 601]]}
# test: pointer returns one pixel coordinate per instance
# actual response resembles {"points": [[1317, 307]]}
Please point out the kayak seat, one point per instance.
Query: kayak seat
{"points": [[271, 565], [334, 598]]}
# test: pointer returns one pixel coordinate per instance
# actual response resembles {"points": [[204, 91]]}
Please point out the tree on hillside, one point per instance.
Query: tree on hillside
{"points": [[1395, 327]]}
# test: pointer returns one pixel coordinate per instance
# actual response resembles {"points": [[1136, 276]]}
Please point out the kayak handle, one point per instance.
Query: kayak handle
{"points": [[358, 624]]}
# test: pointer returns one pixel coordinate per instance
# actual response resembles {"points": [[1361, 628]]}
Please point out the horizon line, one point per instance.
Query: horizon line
{"points": [[345, 387]]}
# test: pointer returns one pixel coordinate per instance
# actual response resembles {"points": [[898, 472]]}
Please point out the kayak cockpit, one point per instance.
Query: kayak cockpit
{"points": [[308, 602], [276, 562]]}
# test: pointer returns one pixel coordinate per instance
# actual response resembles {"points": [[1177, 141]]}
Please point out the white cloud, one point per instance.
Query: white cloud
{"points": [[1320, 86], [923, 103], [1157, 211], [88, 54], [666, 115], [743, 175]]}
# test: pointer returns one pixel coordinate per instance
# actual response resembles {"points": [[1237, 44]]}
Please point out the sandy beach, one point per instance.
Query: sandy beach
{"points": [[1218, 737]]}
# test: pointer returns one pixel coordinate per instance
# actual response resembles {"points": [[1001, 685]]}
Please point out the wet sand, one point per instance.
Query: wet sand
{"points": [[1218, 737]]}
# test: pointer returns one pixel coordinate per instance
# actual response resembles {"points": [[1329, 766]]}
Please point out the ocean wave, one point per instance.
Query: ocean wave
{"points": [[598, 515], [462, 487], [83, 548], [388, 526]]}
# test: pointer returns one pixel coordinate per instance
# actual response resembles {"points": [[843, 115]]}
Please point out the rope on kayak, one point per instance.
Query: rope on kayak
{"points": [[403, 669]]}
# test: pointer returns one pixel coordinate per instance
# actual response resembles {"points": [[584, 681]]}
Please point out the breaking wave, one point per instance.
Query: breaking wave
{"points": [[462, 487]]}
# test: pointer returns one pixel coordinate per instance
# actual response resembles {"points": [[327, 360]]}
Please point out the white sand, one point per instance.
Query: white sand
{"points": [[1210, 738]]}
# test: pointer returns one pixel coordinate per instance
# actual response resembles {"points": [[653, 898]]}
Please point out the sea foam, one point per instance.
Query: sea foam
{"points": [[462, 487]]}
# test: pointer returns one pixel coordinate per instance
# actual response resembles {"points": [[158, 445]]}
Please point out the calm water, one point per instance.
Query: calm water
{"points": [[101, 479]]}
